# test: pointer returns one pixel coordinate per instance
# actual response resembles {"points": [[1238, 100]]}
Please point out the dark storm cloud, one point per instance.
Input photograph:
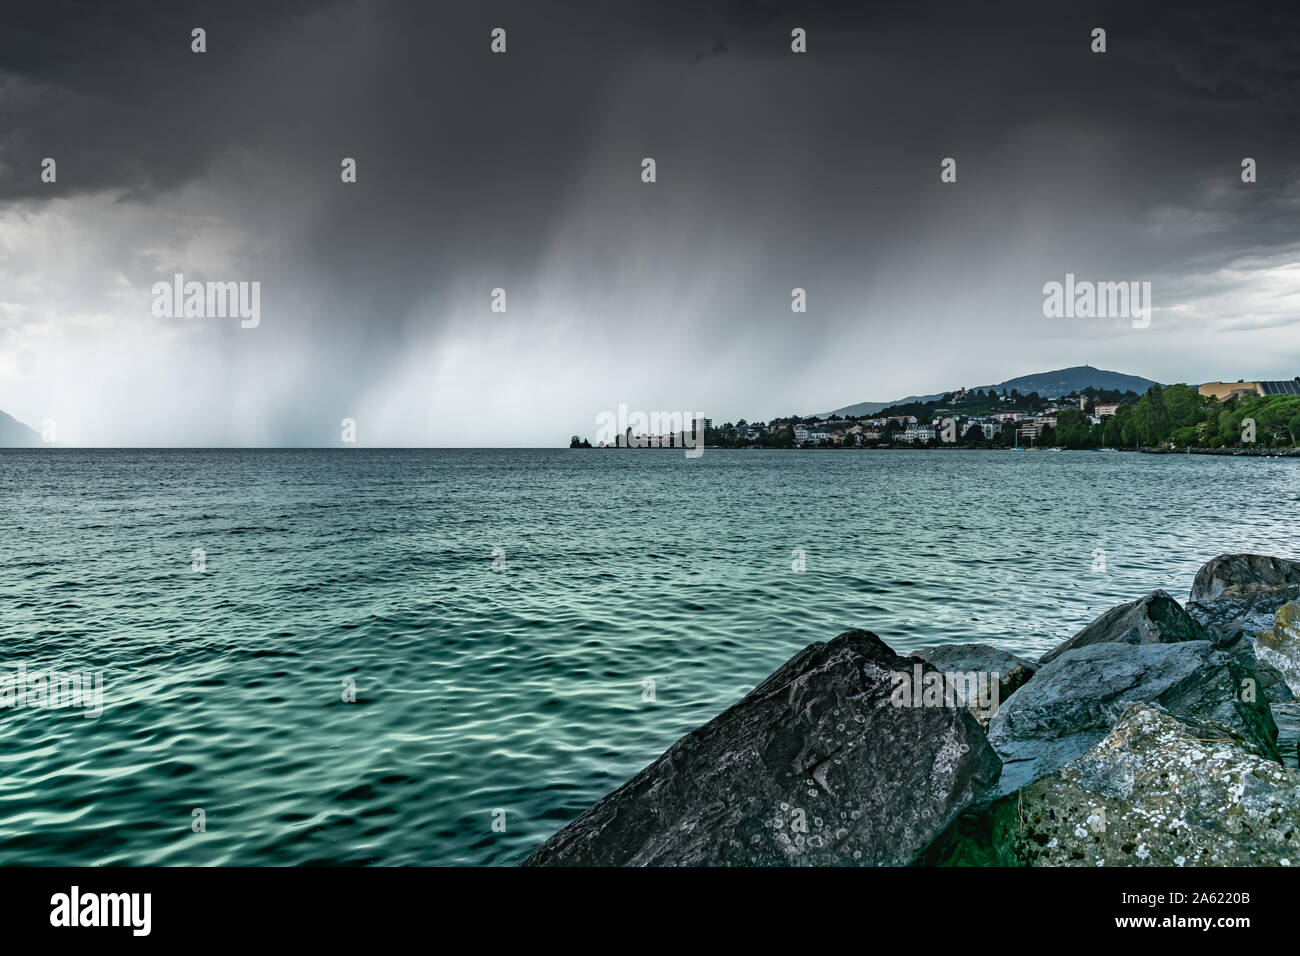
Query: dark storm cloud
{"points": [[115, 88], [521, 171]]}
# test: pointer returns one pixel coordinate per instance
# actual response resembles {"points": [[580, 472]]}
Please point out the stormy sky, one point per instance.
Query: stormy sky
{"points": [[522, 171]]}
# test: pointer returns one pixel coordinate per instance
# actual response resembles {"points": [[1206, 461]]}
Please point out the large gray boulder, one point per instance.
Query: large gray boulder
{"points": [[1073, 701], [1234, 575], [817, 765], [1229, 620], [1155, 791], [1237, 595], [1154, 619]]}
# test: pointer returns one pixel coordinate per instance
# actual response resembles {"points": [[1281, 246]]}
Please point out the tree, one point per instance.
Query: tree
{"points": [[1229, 425], [1073, 430], [1184, 406], [1151, 417], [1110, 436], [1126, 432]]}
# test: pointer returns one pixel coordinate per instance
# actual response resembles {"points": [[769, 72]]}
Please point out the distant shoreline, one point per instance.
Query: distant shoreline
{"points": [[1221, 452]]}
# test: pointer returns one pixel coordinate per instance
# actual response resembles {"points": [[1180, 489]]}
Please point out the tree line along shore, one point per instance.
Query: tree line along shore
{"points": [[1166, 418]]}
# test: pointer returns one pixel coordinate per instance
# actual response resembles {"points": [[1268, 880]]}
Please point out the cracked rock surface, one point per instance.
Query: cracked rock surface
{"points": [[983, 659], [1239, 594], [1154, 619], [816, 766]]}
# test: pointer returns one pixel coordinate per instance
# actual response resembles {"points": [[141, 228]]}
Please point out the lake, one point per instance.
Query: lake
{"points": [[441, 656]]}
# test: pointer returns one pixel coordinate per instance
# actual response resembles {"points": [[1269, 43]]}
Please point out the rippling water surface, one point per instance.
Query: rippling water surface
{"points": [[520, 689]]}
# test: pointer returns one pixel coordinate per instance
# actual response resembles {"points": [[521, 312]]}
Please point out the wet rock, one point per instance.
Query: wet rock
{"points": [[1287, 717], [1229, 620], [1236, 575], [817, 765], [1155, 791], [1073, 701], [1279, 646], [1273, 684], [1237, 595], [1154, 619], [982, 659]]}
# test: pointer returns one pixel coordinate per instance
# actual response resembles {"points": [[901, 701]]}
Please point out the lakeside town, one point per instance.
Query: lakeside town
{"points": [[1214, 416]]}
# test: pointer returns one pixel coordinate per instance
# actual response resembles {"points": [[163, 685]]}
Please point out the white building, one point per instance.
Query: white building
{"points": [[803, 433]]}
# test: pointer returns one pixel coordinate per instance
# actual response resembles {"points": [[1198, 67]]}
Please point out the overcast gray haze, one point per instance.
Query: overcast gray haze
{"points": [[522, 171]]}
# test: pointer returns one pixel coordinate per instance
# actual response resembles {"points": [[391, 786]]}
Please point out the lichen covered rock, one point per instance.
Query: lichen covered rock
{"points": [[1156, 791]]}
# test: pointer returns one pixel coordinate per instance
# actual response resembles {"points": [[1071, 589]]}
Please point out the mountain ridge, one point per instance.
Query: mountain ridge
{"points": [[1052, 384]]}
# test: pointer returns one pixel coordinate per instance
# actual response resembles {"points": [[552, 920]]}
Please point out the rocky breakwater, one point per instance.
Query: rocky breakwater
{"points": [[1159, 734]]}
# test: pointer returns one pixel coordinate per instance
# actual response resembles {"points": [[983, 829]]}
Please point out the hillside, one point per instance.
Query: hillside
{"points": [[14, 434], [1047, 384], [1066, 380], [870, 408]]}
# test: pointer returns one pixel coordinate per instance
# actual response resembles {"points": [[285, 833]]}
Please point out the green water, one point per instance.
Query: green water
{"points": [[517, 683]]}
